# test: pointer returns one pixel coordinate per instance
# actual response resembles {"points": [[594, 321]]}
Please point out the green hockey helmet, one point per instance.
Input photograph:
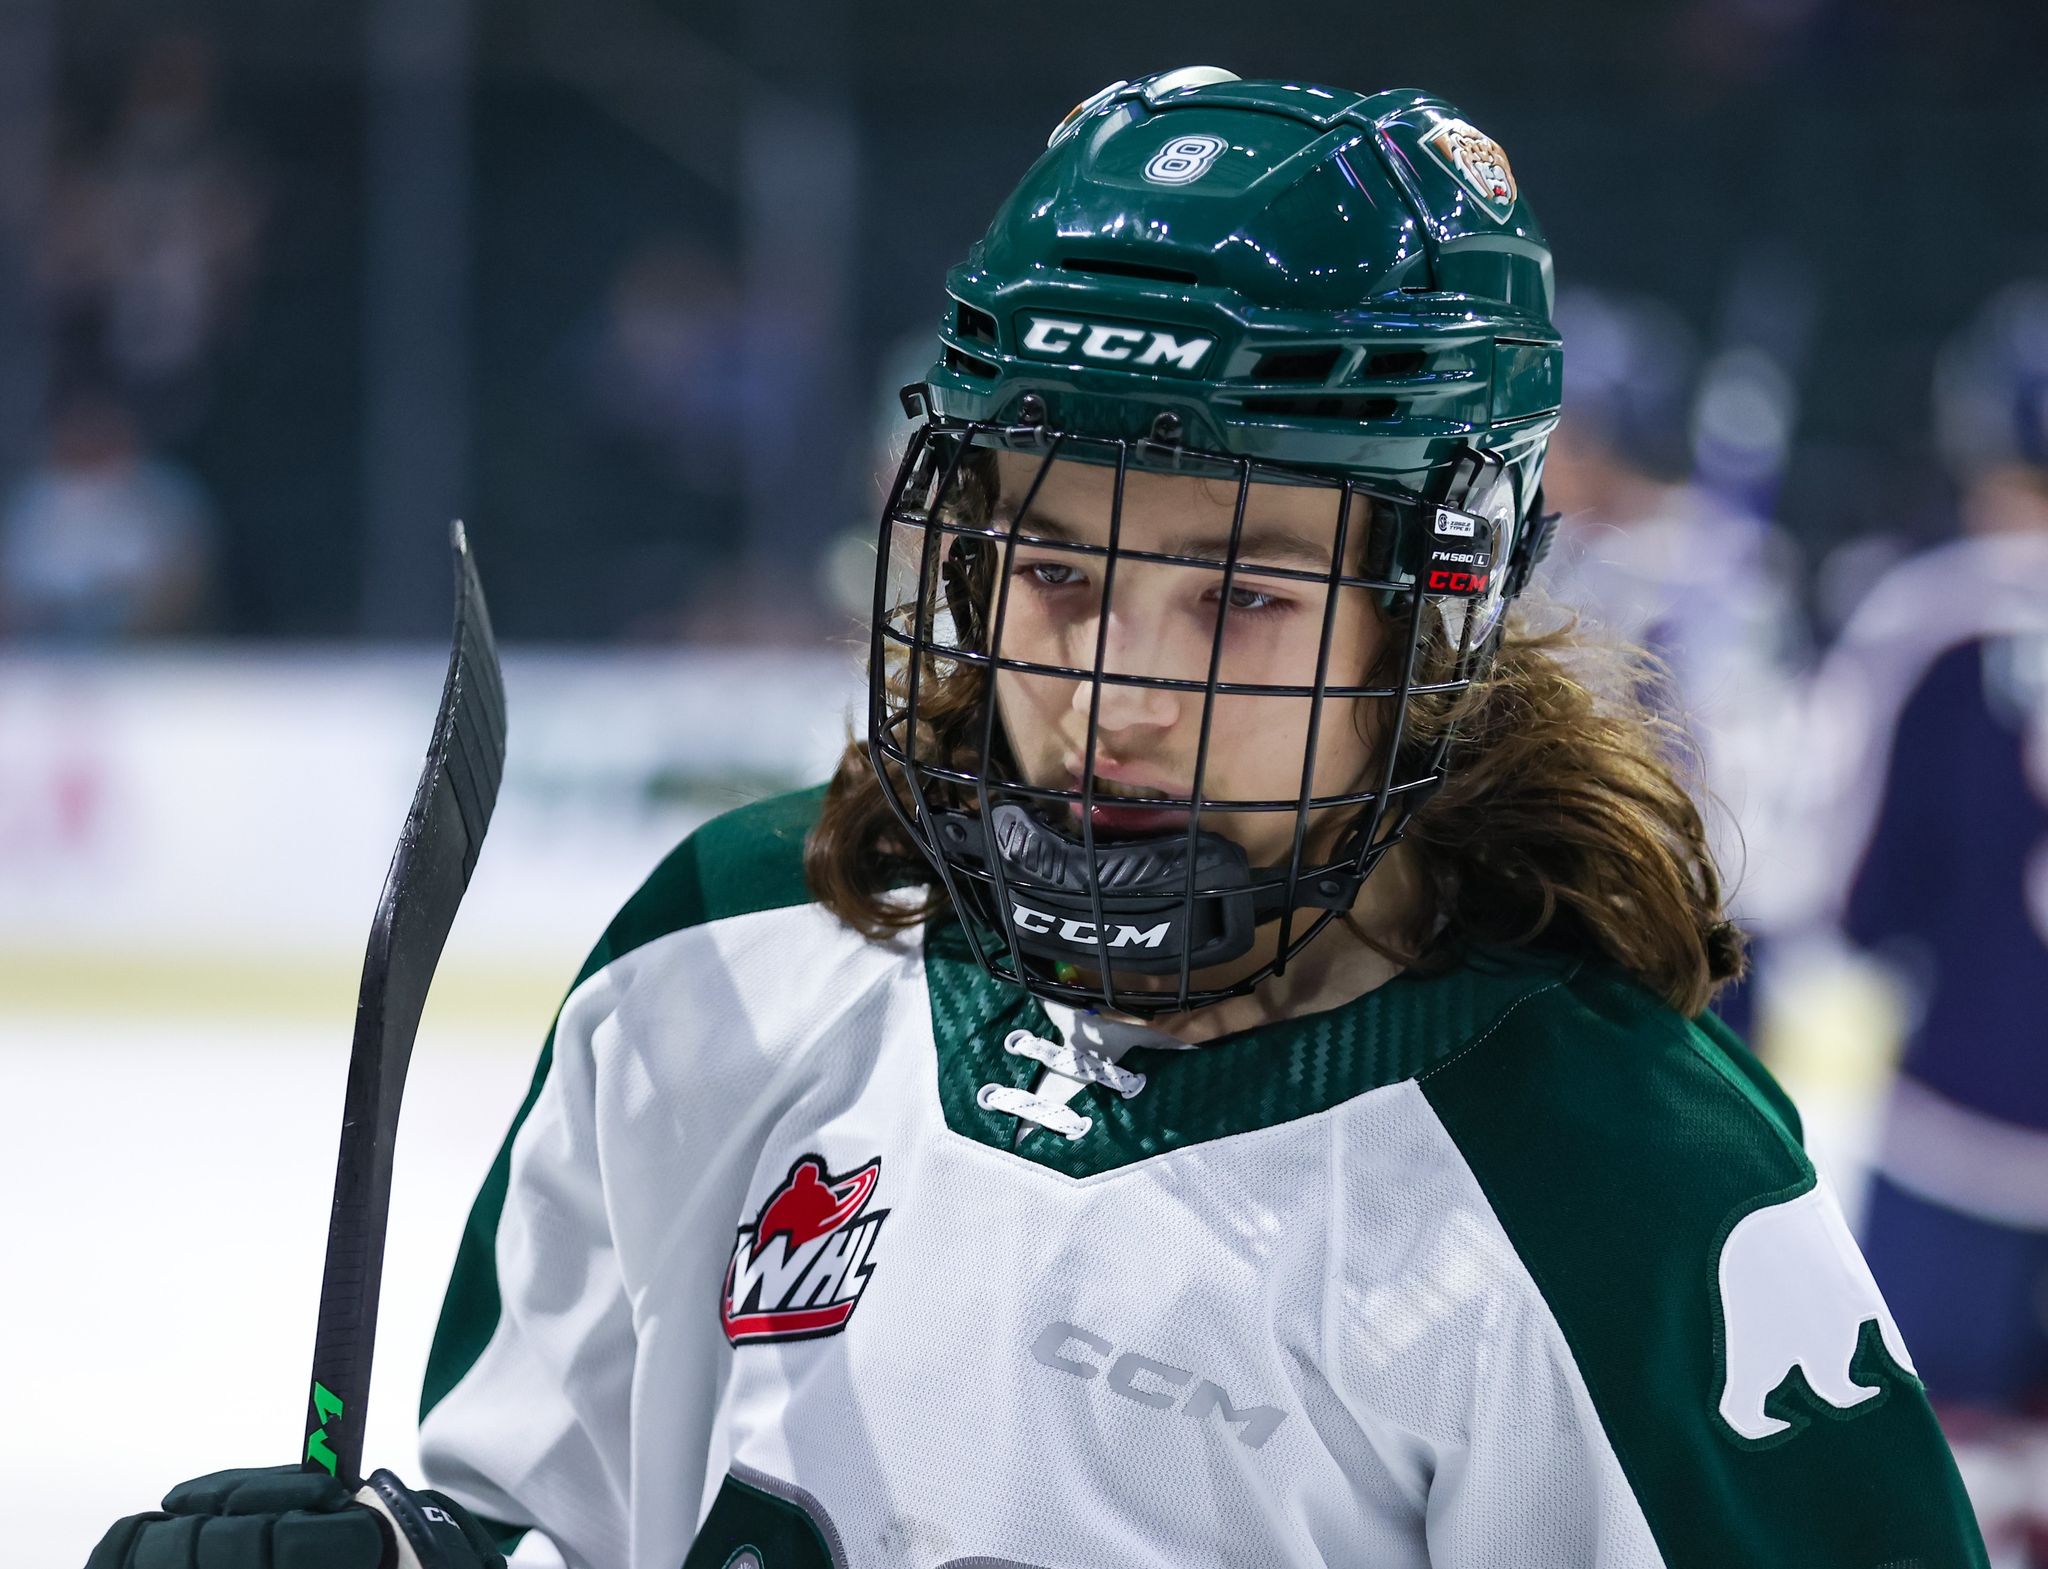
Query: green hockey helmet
{"points": [[1262, 281], [1351, 282]]}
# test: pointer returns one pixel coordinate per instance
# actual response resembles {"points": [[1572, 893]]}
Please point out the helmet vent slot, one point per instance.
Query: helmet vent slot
{"points": [[968, 365], [1394, 362], [1110, 267], [1325, 406], [977, 326], [1296, 365]]}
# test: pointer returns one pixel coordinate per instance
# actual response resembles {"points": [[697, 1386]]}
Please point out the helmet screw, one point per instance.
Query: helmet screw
{"points": [[1031, 409], [1166, 427]]}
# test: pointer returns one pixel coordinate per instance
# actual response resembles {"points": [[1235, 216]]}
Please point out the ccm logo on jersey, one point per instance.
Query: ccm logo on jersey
{"points": [[1058, 338], [799, 1270], [1039, 924], [1145, 1381]]}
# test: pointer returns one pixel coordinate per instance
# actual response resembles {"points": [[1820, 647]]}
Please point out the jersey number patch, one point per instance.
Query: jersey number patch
{"points": [[750, 1527], [761, 1522]]}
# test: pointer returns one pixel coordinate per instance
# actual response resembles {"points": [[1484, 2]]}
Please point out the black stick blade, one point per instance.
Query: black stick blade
{"points": [[430, 870]]}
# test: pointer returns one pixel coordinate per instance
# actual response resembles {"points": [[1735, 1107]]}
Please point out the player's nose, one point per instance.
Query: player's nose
{"points": [[1134, 654]]}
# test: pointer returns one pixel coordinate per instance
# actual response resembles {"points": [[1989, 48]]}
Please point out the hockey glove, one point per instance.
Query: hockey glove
{"points": [[280, 1517]]}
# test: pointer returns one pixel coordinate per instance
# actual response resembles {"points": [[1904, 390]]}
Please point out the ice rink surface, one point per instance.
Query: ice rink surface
{"points": [[167, 1187]]}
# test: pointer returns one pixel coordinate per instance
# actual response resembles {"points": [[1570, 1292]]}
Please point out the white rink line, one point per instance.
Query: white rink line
{"points": [[165, 1201]]}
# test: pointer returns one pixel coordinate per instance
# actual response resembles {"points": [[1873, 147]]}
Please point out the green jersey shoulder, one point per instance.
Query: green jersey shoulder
{"points": [[1649, 1173]]}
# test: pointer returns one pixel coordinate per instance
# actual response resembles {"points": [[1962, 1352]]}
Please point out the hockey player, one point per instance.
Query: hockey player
{"points": [[1220, 1076], [1948, 656]]}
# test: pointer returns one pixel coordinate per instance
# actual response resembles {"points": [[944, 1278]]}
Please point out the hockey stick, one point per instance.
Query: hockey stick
{"points": [[429, 872]]}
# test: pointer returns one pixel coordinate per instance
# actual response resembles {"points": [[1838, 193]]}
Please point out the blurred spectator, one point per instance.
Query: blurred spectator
{"points": [[669, 366], [1724, 44], [682, 372], [153, 240], [1948, 659], [103, 541]]}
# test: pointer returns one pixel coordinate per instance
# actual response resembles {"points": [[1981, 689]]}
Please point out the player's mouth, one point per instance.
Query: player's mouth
{"points": [[1120, 811]]}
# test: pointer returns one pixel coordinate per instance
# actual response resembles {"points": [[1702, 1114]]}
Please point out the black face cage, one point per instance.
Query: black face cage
{"points": [[1129, 925]]}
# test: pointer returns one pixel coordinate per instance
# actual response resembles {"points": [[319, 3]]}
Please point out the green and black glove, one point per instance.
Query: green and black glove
{"points": [[280, 1517]]}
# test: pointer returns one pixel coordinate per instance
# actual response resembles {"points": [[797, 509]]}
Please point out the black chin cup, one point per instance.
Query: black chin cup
{"points": [[1147, 927]]}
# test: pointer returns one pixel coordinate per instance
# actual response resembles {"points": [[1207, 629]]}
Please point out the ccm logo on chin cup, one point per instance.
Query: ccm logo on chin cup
{"points": [[1039, 924]]}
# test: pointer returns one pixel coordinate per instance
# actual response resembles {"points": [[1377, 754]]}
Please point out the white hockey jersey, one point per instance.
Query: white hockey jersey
{"points": [[1505, 1266]]}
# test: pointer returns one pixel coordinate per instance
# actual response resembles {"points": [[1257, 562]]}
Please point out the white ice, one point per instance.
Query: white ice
{"points": [[165, 1198]]}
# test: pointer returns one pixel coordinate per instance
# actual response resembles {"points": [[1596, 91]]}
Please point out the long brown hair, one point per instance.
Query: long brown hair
{"points": [[1563, 819]]}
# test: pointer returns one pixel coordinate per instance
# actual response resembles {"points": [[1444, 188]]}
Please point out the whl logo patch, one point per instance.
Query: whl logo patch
{"points": [[799, 1270]]}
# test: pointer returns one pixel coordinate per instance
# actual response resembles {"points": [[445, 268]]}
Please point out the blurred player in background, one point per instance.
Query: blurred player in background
{"points": [[1695, 574], [1947, 661], [1643, 552]]}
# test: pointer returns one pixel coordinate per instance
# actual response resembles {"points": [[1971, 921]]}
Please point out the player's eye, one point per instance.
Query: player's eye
{"points": [[1252, 601], [1050, 574]]}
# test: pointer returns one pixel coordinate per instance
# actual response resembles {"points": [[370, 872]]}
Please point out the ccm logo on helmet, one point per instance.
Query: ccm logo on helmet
{"points": [[1057, 338], [1039, 924]]}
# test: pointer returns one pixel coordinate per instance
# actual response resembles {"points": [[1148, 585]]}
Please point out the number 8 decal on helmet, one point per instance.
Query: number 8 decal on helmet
{"points": [[1184, 159]]}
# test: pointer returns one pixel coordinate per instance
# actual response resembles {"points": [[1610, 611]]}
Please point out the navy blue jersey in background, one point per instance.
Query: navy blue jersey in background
{"points": [[1943, 885]]}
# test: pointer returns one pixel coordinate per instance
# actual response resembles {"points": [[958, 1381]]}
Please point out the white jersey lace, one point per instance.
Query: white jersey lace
{"points": [[1069, 1060]]}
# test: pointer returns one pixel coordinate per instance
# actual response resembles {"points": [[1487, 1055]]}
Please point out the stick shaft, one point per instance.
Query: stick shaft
{"points": [[430, 870]]}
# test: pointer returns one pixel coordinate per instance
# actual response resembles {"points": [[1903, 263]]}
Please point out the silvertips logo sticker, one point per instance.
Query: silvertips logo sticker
{"points": [[1478, 162], [799, 1269]]}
